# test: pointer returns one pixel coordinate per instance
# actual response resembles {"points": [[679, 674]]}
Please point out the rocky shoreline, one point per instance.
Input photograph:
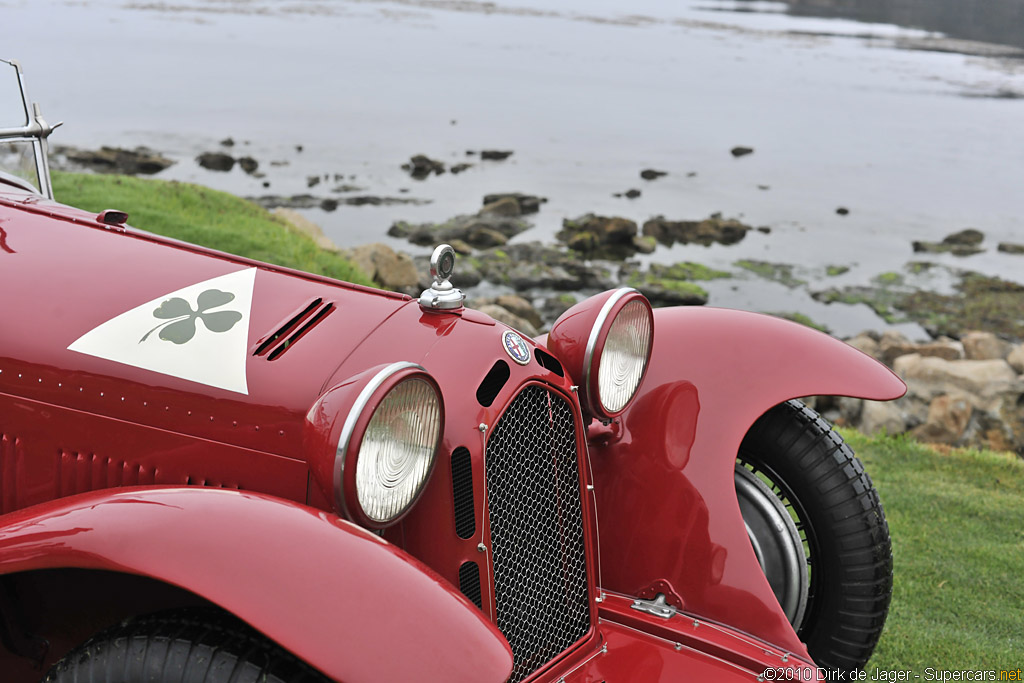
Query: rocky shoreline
{"points": [[965, 385]]}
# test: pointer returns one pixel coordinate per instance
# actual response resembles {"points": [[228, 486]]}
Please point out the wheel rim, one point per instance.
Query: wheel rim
{"points": [[776, 543]]}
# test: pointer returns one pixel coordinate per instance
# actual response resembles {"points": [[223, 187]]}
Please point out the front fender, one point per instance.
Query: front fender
{"points": [[664, 476], [338, 597]]}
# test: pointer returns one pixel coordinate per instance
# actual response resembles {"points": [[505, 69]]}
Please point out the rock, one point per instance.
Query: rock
{"points": [[651, 174], [741, 151], [510, 319], [345, 187], [248, 164], [969, 238], [216, 161], [948, 416], [138, 161], [604, 236], [484, 237], [556, 305], [930, 376], [842, 211], [892, 345], [227, 142], [881, 416], [495, 154], [470, 229], [308, 201], [420, 166], [532, 265], [459, 168], [461, 247], [864, 343], [312, 181], [520, 307], [506, 206], [631, 193], [981, 302], [984, 346], [299, 223], [963, 243], [528, 203], [391, 269], [644, 245], [1010, 248], [1016, 358], [713, 229]]}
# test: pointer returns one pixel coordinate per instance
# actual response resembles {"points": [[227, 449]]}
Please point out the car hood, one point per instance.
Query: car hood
{"points": [[117, 322]]}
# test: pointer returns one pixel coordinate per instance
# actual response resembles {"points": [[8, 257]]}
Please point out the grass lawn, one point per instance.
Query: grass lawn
{"points": [[203, 216], [957, 523]]}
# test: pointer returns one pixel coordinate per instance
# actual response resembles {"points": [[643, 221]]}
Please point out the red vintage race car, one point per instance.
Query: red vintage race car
{"points": [[214, 469]]}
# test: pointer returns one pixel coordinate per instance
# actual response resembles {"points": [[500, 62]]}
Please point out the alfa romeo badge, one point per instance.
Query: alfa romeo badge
{"points": [[516, 347]]}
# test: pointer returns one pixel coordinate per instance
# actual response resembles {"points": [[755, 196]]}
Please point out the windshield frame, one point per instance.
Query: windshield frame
{"points": [[35, 131]]}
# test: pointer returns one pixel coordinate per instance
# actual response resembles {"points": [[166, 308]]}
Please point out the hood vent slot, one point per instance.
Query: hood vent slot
{"points": [[290, 331]]}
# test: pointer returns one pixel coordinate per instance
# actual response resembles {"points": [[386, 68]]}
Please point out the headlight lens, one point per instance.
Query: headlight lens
{"points": [[397, 450], [624, 357]]}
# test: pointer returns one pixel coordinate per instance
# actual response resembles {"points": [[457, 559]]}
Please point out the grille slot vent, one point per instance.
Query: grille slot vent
{"points": [[276, 343], [536, 521], [469, 582], [462, 493], [549, 362], [492, 384]]}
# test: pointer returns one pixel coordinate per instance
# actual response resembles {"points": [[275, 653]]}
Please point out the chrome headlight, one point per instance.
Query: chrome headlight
{"points": [[388, 444], [622, 361], [605, 343]]}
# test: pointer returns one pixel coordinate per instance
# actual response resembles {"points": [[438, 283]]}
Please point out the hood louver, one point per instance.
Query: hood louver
{"points": [[273, 345]]}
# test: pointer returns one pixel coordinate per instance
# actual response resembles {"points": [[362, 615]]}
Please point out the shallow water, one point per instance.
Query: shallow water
{"points": [[915, 143]]}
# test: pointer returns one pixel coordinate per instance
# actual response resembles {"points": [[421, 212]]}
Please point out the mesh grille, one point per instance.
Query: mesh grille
{"points": [[462, 492], [533, 489], [469, 582]]}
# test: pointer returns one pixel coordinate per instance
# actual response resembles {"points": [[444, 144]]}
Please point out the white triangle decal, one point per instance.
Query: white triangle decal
{"points": [[199, 333]]}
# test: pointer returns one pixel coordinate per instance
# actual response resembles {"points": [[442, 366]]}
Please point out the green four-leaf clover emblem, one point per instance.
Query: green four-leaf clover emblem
{"points": [[180, 325]]}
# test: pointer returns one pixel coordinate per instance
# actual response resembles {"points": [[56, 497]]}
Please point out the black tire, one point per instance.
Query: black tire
{"points": [[841, 526], [184, 646]]}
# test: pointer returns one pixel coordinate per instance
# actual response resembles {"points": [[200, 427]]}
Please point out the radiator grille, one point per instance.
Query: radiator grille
{"points": [[535, 508]]}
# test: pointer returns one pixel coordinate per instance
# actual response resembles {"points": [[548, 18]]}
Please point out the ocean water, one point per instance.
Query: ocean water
{"points": [[841, 113]]}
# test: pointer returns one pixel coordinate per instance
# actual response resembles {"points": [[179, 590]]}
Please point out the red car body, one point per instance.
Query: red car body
{"points": [[125, 489]]}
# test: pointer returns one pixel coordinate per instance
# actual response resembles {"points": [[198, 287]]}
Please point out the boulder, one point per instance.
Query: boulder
{"points": [[1010, 248], [865, 343], [931, 376], [138, 161], [495, 154], [521, 307], [420, 166], [1016, 358], [881, 416], [651, 174], [528, 203], [248, 164], [511, 319], [600, 236], [216, 161], [713, 229], [476, 230], [505, 206], [741, 151], [391, 269], [299, 223], [948, 417], [985, 346]]}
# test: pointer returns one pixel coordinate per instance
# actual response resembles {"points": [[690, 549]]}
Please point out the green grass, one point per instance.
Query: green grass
{"points": [[957, 523], [205, 217]]}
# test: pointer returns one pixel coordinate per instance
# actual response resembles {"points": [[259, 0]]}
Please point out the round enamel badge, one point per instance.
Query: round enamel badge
{"points": [[516, 347]]}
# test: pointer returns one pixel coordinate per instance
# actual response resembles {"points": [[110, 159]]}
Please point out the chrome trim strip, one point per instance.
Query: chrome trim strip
{"points": [[350, 424], [595, 332]]}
